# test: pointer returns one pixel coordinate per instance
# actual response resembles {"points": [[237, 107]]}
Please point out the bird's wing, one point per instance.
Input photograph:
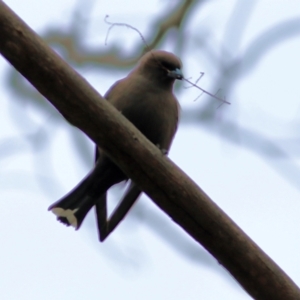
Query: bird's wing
{"points": [[106, 226]]}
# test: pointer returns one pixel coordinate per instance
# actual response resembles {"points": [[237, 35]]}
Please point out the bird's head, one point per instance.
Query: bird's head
{"points": [[161, 67]]}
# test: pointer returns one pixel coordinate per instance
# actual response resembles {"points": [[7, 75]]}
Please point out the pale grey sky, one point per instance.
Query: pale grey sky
{"points": [[41, 259]]}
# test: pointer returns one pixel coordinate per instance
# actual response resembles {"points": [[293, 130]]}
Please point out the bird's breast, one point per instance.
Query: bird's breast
{"points": [[153, 110]]}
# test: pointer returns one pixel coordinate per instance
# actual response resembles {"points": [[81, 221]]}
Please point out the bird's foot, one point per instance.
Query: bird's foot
{"points": [[163, 151]]}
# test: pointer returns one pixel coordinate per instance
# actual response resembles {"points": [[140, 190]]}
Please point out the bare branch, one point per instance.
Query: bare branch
{"points": [[113, 56], [206, 92], [125, 25]]}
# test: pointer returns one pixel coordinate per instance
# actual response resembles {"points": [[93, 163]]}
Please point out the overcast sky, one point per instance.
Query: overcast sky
{"points": [[252, 172]]}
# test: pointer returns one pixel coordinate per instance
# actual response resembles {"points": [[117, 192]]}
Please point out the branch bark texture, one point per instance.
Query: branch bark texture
{"points": [[168, 186]]}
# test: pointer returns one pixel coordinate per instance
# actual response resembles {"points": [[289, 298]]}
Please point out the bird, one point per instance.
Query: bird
{"points": [[145, 97]]}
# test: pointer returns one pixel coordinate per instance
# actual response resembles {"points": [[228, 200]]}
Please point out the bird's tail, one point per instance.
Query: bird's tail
{"points": [[73, 208]]}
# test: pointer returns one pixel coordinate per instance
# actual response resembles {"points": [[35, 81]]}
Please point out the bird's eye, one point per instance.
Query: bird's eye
{"points": [[168, 66]]}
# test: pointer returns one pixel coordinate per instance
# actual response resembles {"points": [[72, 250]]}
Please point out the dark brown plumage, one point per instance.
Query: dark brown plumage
{"points": [[145, 98]]}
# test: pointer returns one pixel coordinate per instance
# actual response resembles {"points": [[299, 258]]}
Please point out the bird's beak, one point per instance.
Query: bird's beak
{"points": [[176, 74]]}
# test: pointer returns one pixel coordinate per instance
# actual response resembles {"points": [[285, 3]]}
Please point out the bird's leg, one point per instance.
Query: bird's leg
{"points": [[105, 226]]}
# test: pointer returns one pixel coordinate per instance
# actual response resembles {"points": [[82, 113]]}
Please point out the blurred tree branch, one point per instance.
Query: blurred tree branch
{"points": [[113, 56], [170, 189], [231, 67], [35, 137]]}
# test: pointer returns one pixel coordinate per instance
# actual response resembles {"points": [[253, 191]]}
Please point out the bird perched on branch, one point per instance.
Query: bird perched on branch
{"points": [[145, 97]]}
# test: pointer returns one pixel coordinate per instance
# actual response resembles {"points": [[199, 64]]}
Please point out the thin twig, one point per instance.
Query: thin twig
{"points": [[206, 92], [198, 79], [148, 48], [124, 25]]}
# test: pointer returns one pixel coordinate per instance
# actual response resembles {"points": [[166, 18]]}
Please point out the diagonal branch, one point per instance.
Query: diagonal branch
{"points": [[172, 190]]}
